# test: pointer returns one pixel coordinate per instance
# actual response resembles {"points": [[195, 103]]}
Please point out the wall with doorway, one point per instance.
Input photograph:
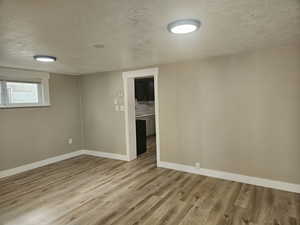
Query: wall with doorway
{"points": [[237, 113]]}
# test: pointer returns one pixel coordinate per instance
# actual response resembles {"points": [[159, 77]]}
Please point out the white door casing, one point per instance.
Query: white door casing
{"points": [[129, 108]]}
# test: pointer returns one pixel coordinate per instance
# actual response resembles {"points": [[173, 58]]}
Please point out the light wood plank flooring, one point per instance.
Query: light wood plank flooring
{"points": [[94, 191]]}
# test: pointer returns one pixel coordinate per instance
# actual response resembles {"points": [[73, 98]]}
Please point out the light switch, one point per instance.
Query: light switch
{"points": [[116, 101], [116, 107], [121, 107]]}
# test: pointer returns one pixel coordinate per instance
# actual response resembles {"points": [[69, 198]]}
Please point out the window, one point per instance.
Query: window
{"points": [[23, 91]]}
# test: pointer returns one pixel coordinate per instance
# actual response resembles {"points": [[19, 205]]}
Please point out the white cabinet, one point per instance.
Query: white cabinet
{"points": [[150, 125]]}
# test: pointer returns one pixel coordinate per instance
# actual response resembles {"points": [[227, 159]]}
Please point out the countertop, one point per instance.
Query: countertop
{"points": [[144, 115]]}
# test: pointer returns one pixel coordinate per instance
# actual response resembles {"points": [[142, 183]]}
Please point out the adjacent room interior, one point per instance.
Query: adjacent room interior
{"points": [[145, 115], [150, 112]]}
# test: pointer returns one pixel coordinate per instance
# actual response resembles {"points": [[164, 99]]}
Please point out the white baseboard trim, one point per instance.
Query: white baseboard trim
{"points": [[180, 167], [27, 167], [105, 155], [20, 169], [233, 177]]}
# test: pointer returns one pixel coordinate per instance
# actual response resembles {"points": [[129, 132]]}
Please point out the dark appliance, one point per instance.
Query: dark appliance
{"points": [[141, 139]]}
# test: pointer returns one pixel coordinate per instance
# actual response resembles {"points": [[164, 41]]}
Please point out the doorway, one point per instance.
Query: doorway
{"points": [[141, 112]]}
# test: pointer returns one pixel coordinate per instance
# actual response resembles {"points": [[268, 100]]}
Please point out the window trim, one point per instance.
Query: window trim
{"points": [[14, 75]]}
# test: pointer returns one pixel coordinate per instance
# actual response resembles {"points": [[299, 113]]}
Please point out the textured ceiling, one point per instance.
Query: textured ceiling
{"points": [[134, 31]]}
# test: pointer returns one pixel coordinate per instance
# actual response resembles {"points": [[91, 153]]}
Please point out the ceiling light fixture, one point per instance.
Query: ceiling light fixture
{"points": [[44, 58], [184, 26]]}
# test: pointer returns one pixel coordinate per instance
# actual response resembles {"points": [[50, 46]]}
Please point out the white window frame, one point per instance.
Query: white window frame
{"points": [[15, 75]]}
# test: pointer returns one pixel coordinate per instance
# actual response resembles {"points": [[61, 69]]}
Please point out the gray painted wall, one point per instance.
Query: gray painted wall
{"points": [[236, 113], [103, 127], [31, 134]]}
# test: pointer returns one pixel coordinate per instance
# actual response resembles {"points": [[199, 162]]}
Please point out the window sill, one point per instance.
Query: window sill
{"points": [[24, 106]]}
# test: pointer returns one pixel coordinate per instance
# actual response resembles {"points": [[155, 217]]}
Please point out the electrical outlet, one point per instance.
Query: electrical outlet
{"points": [[197, 165], [70, 141]]}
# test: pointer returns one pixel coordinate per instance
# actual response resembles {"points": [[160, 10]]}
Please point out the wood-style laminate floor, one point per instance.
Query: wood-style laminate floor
{"points": [[94, 191]]}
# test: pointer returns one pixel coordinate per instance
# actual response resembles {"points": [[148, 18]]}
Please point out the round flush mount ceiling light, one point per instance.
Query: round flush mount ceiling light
{"points": [[44, 58], [184, 26]]}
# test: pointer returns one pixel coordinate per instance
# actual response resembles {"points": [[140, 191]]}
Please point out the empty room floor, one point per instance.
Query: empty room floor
{"points": [[90, 190]]}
